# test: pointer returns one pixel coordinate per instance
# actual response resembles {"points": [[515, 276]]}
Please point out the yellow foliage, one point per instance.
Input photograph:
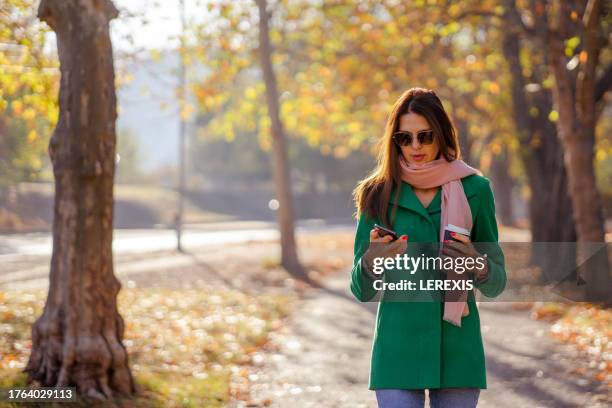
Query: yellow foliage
{"points": [[251, 93], [601, 155], [354, 127], [32, 135], [553, 116], [496, 148], [186, 111], [29, 114], [17, 107]]}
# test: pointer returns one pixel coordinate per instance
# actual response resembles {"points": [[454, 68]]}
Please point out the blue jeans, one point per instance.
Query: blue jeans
{"points": [[438, 398]]}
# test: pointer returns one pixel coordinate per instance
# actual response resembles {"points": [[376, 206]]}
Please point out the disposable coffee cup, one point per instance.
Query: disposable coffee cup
{"points": [[453, 228]]}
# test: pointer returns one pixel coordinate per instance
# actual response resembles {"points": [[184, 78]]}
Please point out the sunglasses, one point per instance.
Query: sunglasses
{"points": [[425, 137]]}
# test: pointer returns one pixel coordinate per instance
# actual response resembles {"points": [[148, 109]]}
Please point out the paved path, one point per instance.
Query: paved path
{"points": [[324, 354], [195, 236]]}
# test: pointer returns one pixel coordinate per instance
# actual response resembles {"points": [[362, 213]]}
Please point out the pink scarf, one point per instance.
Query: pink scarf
{"points": [[455, 210]]}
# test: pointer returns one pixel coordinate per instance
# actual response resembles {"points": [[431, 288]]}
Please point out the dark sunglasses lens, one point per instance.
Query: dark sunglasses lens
{"points": [[426, 137], [402, 138]]}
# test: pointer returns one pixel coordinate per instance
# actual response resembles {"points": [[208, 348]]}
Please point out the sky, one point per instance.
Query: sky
{"points": [[152, 24], [152, 86], [149, 25]]}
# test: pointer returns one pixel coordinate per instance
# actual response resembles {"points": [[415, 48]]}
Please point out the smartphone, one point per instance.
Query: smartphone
{"points": [[384, 231]]}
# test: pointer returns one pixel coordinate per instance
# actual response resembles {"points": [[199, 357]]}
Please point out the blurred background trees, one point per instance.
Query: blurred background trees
{"points": [[339, 66], [282, 104], [28, 93]]}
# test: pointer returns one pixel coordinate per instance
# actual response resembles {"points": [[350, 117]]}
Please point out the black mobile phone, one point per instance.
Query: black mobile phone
{"points": [[384, 231]]}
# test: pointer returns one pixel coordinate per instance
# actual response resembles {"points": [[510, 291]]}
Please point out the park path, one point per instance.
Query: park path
{"points": [[321, 357], [324, 353]]}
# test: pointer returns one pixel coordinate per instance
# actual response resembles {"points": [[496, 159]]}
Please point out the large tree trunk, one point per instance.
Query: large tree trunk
{"points": [[576, 103], [550, 209], [280, 168], [555, 214], [78, 339]]}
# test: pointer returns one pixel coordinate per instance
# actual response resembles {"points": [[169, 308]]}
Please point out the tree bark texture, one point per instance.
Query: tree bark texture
{"points": [[550, 206], [503, 187], [78, 339], [576, 103], [280, 167]]}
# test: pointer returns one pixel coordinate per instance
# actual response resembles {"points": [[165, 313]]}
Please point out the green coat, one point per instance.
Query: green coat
{"points": [[413, 347]]}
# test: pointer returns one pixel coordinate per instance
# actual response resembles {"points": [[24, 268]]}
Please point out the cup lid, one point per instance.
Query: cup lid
{"points": [[457, 229]]}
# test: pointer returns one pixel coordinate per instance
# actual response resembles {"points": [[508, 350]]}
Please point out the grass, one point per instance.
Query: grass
{"points": [[187, 348], [157, 390]]}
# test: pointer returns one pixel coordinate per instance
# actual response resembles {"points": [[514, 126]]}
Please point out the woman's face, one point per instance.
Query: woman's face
{"points": [[417, 153]]}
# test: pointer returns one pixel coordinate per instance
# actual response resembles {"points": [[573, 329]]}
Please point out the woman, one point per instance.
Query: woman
{"points": [[419, 186]]}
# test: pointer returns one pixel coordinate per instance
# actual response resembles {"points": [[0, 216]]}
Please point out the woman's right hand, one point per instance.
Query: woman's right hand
{"points": [[382, 247]]}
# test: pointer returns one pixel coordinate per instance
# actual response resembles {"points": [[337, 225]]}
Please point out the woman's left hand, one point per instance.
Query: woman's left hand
{"points": [[465, 249]]}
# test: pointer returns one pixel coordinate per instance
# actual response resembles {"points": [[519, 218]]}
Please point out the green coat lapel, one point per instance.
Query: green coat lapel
{"points": [[409, 200]]}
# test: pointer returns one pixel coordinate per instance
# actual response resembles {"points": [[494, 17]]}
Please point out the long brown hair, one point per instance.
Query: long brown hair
{"points": [[373, 194]]}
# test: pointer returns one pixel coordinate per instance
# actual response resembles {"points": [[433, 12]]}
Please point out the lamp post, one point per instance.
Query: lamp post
{"points": [[182, 132]]}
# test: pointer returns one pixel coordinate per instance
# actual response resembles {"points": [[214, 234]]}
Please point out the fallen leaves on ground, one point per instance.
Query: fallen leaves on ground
{"points": [[186, 347], [586, 327]]}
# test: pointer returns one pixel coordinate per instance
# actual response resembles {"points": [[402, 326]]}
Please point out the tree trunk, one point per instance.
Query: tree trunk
{"points": [[576, 103], [280, 168], [78, 339], [502, 187], [465, 143], [550, 208]]}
